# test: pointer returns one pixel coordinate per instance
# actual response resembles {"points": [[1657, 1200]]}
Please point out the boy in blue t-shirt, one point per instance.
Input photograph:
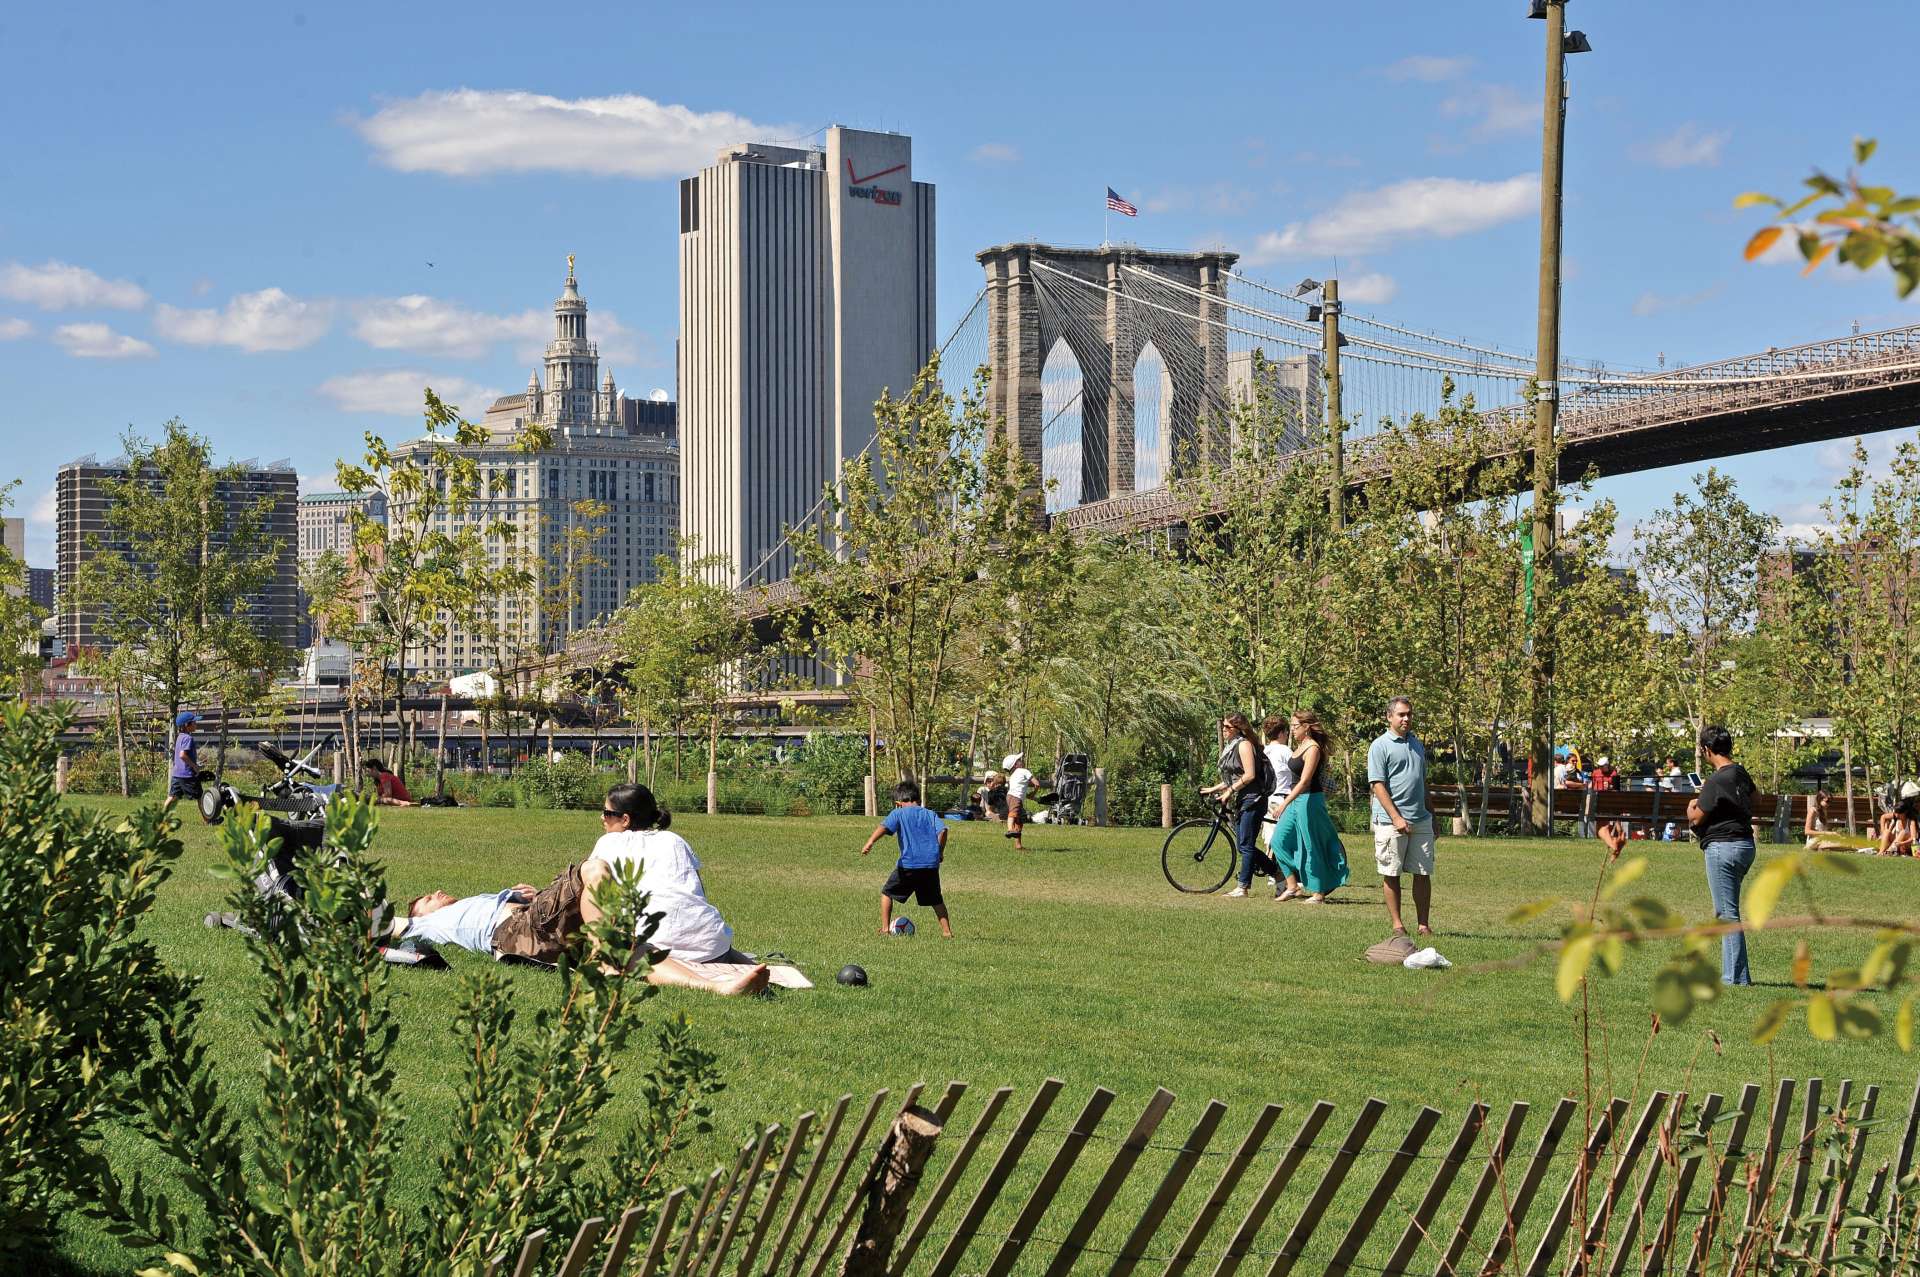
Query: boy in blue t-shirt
{"points": [[923, 844]]}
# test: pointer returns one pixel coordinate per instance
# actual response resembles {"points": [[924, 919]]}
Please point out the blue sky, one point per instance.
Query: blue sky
{"points": [[226, 212]]}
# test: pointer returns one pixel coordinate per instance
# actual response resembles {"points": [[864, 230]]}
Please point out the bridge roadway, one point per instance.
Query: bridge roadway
{"points": [[1835, 389], [1824, 390]]}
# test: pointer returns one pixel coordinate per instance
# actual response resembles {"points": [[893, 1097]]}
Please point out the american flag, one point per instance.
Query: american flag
{"points": [[1117, 205]]}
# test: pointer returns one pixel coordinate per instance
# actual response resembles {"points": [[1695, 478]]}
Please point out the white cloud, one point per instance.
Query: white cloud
{"points": [[45, 509], [312, 483], [97, 341], [14, 329], [266, 320], [1495, 109], [1218, 198], [1805, 533], [1428, 69], [994, 153], [1686, 147], [1373, 289], [400, 392], [470, 132], [429, 326], [60, 286], [1651, 303], [1370, 221]]}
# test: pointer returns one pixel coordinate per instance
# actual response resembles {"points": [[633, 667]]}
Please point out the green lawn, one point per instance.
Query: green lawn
{"points": [[1077, 961]]}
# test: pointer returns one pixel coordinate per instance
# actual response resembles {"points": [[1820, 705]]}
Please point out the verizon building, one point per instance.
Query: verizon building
{"points": [[806, 289]]}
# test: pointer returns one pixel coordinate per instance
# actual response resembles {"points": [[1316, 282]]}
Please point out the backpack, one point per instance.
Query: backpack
{"points": [[1264, 780]]}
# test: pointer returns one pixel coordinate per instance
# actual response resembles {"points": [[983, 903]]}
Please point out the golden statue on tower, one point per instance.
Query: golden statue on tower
{"points": [[569, 265]]}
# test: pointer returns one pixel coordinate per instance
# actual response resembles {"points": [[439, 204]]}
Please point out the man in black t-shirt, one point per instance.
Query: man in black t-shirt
{"points": [[1722, 818]]}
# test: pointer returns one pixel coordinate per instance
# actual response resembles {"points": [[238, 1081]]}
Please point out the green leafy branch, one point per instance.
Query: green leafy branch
{"points": [[1865, 225]]}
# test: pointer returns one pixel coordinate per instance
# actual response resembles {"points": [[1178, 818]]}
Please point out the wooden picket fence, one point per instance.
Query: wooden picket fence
{"points": [[807, 1202]]}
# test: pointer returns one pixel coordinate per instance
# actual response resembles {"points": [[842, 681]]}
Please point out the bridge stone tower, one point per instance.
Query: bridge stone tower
{"points": [[1106, 336]]}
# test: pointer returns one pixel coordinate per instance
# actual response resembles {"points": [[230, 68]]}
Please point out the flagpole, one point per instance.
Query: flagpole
{"points": [[1106, 218]]}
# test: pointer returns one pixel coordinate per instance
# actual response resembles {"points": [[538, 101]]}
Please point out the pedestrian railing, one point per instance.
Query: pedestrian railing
{"points": [[1621, 1186]]}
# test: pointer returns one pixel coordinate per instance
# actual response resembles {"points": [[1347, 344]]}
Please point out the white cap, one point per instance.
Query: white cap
{"points": [[1602, 761], [1910, 790], [1011, 761]]}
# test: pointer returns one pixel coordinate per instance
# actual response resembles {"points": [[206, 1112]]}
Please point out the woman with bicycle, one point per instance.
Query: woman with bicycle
{"points": [[1305, 843], [1245, 782]]}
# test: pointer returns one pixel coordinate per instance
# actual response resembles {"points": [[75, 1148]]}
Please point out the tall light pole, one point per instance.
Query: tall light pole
{"points": [[1546, 407]]}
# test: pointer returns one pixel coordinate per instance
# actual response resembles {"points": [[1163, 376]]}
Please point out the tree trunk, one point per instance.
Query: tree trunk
{"points": [[677, 775], [486, 737], [1846, 761], [633, 757], [646, 747], [220, 750], [120, 735], [713, 762], [440, 752]]}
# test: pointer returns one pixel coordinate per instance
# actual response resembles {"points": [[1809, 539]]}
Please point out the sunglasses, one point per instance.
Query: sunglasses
{"points": [[609, 815]]}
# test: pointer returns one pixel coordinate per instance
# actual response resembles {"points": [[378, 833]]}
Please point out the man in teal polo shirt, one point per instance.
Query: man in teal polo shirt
{"points": [[1402, 823]]}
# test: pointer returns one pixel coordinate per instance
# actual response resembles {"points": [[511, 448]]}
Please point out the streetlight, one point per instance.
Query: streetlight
{"points": [[1560, 43]]}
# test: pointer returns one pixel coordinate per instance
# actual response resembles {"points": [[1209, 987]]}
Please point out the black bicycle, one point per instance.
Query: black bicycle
{"points": [[1201, 853]]}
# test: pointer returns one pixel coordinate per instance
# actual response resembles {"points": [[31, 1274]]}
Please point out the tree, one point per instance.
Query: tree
{"points": [[683, 640], [173, 585], [1699, 571], [1864, 225], [426, 565], [82, 994], [928, 537], [19, 620], [1865, 568]]}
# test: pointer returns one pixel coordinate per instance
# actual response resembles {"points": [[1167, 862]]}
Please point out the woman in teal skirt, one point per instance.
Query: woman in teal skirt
{"points": [[1305, 843]]}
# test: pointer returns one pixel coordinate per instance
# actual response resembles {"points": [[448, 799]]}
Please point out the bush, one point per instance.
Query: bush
{"points": [[300, 1179], [79, 995], [833, 772], [569, 783]]}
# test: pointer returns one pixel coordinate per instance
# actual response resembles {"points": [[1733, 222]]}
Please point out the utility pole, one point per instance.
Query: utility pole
{"points": [[1336, 428], [1545, 412]]}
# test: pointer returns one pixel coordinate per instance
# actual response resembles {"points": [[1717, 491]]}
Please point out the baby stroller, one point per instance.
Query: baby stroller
{"points": [[1070, 779]]}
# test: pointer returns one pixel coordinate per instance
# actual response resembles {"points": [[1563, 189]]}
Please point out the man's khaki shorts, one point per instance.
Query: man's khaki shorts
{"points": [[1411, 852], [542, 929]]}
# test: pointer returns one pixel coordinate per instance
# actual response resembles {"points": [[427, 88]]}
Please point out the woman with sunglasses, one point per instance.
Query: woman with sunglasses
{"points": [[634, 831], [1245, 782]]}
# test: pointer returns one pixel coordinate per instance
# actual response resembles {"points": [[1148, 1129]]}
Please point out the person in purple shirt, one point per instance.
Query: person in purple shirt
{"points": [[183, 779], [923, 845]]}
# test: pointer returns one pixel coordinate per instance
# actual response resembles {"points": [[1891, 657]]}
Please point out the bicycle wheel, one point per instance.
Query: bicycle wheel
{"points": [[1199, 856]]}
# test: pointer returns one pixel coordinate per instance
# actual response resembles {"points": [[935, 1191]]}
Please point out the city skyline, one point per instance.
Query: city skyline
{"points": [[399, 186]]}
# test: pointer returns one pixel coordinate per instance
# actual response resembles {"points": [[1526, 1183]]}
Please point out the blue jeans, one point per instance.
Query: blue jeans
{"points": [[1252, 859], [1727, 865]]}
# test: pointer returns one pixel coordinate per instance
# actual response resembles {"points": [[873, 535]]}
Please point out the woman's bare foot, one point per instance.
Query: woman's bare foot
{"points": [[1291, 893], [752, 980], [1316, 899], [1425, 930]]}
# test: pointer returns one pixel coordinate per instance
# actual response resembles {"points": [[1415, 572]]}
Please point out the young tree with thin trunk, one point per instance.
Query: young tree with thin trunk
{"points": [[1699, 570], [174, 584], [928, 540], [427, 563]]}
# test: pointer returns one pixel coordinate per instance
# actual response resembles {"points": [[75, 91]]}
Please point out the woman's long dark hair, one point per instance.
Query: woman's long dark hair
{"points": [[1315, 729], [1237, 723], [638, 805]]}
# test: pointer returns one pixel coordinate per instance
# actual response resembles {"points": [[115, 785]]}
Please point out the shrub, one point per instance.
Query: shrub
{"points": [[79, 995], [569, 783], [833, 772], [302, 1180]]}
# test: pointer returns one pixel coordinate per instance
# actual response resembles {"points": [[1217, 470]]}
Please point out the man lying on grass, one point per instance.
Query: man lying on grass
{"points": [[520, 922]]}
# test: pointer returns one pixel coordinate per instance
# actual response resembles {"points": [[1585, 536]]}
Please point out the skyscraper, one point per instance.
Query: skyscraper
{"points": [[806, 289]]}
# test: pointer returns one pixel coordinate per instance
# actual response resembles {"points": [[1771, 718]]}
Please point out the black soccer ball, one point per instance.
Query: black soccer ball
{"points": [[852, 975]]}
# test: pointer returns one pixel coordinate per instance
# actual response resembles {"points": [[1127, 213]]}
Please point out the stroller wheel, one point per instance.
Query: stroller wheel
{"points": [[213, 805]]}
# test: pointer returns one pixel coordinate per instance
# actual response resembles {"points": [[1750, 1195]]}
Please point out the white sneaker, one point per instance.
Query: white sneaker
{"points": [[1237, 893]]}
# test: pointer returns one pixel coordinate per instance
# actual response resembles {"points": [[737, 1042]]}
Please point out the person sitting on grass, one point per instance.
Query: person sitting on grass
{"points": [[388, 789], [923, 845], [1898, 827]]}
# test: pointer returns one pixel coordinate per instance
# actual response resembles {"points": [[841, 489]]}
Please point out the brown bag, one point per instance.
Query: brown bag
{"points": [[1391, 952]]}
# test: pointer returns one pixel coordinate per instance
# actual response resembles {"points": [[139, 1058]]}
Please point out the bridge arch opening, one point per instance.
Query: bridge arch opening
{"points": [[1152, 401], [1062, 450]]}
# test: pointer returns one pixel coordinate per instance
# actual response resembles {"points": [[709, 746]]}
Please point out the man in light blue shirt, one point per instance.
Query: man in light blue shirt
{"points": [[1402, 824]]}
